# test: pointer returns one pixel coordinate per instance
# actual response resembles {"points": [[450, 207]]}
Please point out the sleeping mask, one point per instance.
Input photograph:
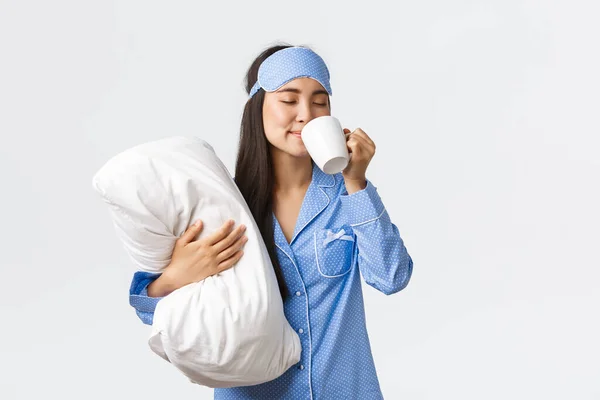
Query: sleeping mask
{"points": [[288, 64]]}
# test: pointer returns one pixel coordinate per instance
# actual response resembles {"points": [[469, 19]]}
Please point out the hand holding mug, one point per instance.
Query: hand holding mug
{"points": [[361, 149], [335, 150]]}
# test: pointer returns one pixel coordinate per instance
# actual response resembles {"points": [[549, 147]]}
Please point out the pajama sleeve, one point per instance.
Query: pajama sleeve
{"points": [[138, 296], [383, 259]]}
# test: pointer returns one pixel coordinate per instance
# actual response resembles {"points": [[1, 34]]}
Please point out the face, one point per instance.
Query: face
{"points": [[287, 110]]}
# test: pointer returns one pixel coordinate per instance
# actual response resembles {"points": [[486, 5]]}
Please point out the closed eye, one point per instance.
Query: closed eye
{"points": [[293, 102]]}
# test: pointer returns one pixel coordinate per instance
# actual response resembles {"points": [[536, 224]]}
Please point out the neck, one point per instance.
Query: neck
{"points": [[291, 173]]}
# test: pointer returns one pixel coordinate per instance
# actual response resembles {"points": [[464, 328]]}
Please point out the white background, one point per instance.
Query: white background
{"points": [[486, 119]]}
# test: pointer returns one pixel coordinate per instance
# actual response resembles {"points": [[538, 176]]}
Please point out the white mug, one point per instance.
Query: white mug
{"points": [[325, 141]]}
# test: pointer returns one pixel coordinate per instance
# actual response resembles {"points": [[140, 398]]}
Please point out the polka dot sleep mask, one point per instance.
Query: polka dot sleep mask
{"points": [[291, 63]]}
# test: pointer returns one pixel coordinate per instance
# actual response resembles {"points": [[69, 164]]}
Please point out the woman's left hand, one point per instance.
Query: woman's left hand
{"points": [[361, 149]]}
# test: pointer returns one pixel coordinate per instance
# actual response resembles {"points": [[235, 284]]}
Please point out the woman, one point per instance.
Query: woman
{"points": [[322, 231]]}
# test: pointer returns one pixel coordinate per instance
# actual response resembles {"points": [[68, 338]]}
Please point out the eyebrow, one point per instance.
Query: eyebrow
{"points": [[294, 90]]}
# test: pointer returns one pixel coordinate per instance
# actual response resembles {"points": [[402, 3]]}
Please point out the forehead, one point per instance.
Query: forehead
{"points": [[303, 86]]}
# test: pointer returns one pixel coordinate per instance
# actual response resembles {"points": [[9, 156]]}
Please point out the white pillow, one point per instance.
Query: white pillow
{"points": [[229, 329]]}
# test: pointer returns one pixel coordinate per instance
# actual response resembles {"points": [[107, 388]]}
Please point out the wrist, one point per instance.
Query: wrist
{"points": [[355, 185], [162, 286]]}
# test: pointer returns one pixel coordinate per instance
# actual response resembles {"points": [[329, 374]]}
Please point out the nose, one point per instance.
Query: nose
{"points": [[305, 112]]}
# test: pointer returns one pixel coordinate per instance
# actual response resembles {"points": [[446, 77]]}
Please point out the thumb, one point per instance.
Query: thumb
{"points": [[190, 233]]}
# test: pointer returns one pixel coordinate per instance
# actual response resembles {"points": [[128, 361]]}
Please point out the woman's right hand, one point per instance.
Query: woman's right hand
{"points": [[193, 261]]}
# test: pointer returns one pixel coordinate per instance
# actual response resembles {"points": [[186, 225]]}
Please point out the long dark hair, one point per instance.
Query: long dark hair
{"points": [[254, 174]]}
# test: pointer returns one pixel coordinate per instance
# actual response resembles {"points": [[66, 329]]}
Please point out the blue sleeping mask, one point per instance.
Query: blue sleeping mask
{"points": [[288, 64]]}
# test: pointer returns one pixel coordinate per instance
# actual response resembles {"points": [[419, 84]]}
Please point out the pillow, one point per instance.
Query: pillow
{"points": [[228, 329]]}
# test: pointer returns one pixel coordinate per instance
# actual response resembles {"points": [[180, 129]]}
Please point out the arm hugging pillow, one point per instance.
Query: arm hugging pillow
{"points": [[229, 329]]}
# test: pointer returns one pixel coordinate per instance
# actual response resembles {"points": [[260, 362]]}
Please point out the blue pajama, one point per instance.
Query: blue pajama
{"points": [[337, 238]]}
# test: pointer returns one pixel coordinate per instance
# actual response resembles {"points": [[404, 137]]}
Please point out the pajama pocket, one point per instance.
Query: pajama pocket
{"points": [[334, 250]]}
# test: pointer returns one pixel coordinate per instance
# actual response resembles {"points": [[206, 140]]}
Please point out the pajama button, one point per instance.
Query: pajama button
{"points": [[300, 330], [298, 293], [301, 367]]}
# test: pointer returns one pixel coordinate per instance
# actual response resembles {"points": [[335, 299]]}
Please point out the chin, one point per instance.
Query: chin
{"points": [[302, 152], [299, 154], [297, 150], [293, 150]]}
